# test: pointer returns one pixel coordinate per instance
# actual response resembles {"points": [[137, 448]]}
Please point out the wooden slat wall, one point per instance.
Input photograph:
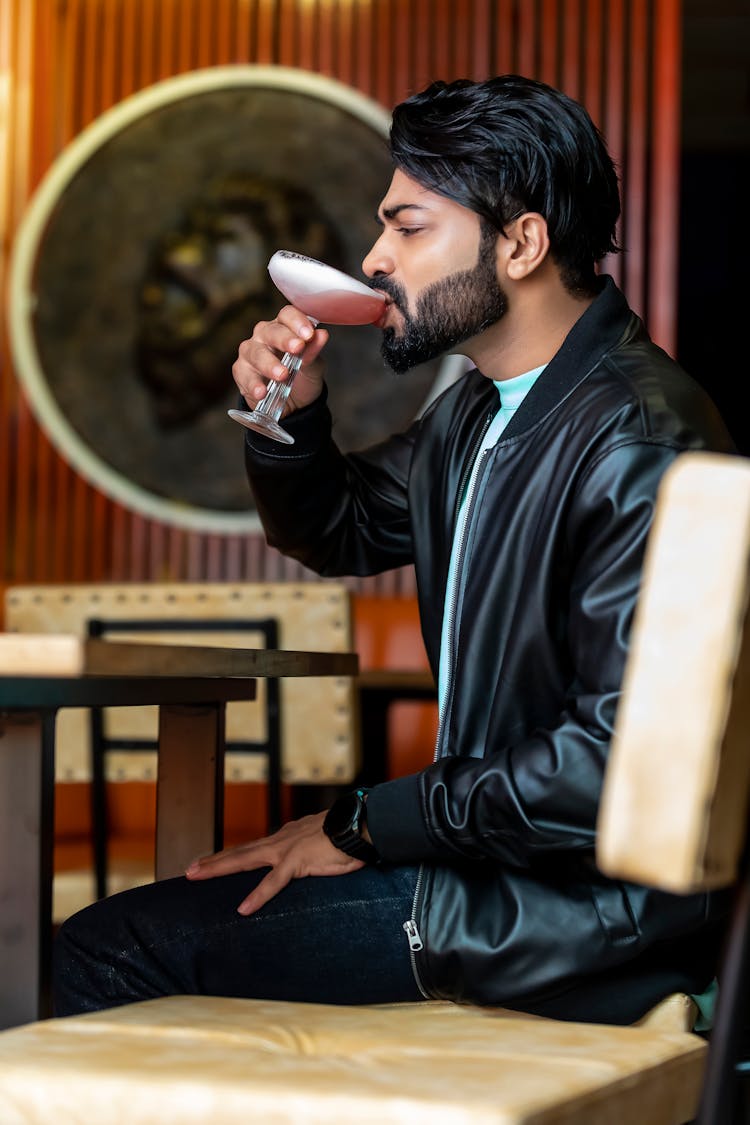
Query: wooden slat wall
{"points": [[63, 62]]}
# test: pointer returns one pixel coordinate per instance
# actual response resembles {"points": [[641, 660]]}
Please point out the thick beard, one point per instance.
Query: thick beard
{"points": [[448, 312]]}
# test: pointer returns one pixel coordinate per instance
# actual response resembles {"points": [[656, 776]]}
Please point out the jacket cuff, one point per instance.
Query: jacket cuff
{"points": [[310, 426], [395, 823]]}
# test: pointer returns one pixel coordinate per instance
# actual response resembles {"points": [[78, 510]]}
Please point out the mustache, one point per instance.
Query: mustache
{"points": [[393, 289]]}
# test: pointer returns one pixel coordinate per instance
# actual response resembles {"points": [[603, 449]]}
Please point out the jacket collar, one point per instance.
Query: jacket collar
{"points": [[595, 333]]}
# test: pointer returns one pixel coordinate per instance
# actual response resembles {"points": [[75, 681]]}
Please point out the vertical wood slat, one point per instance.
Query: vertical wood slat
{"points": [[138, 537], [593, 55], [119, 540], [18, 437], [44, 108], [305, 17], [99, 544], [481, 41], [156, 558], [400, 52], [527, 39], [23, 104], [167, 37], [664, 194], [193, 556], [147, 33], [571, 46], [344, 25], [364, 48], [614, 109], [60, 527], [70, 64], [214, 568], [109, 57], [92, 53], [225, 38], [442, 40], [288, 33], [185, 37], [462, 40], [90, 48], [241, 47], [79, 531], [175, 553], [550, 43], [43, 509], [266, 31], [204, 28], [504, 42], [636, 188], [382, 26], [8, 128], [21, 475], [326, 39], [421, 53]]}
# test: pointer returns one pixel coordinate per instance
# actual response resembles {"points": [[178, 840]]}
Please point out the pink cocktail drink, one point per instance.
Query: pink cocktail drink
{"points": [[323, 294], [340, 306]]}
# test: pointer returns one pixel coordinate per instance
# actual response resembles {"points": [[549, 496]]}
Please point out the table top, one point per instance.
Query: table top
{"points": [[48, 693], [50, 670], [66, 656]]}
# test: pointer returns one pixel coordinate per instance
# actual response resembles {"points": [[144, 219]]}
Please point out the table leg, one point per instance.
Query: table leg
{"points": [[189, 786], [26, 842]]}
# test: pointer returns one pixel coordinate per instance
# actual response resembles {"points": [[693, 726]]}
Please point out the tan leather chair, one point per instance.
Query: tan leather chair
{"points": [[674, 813]]}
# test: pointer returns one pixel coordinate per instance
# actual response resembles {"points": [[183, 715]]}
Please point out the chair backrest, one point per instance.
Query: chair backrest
{"points": [[674, 811], [319, 732], [675, 801]]}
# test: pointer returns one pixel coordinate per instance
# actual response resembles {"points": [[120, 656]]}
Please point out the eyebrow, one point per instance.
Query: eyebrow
{"points": [[393, 212]]}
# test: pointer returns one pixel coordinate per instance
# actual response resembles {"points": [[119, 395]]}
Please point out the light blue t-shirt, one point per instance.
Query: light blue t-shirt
{"points": [[511, 394]]}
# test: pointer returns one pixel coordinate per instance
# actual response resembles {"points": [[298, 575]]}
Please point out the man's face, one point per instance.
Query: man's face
{"points": [[436, 262]]}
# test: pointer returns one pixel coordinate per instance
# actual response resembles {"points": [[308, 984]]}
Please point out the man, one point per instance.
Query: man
{"points": [[524, 497]]}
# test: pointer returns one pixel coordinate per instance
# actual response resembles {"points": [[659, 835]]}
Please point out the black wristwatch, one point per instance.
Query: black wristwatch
{"points": [[343, 826]]}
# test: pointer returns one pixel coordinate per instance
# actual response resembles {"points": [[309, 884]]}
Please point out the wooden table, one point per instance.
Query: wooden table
{"points": [[39, 675]]}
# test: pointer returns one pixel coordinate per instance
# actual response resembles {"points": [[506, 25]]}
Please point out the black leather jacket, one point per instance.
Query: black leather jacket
{"points": [[510, 908]]}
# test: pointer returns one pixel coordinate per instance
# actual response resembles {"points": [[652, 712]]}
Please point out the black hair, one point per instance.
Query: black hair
{"points": [[513, 144]]}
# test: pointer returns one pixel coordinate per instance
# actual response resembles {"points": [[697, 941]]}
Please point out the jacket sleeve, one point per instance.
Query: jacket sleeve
{"points": [[512, 801], [337, 514]]}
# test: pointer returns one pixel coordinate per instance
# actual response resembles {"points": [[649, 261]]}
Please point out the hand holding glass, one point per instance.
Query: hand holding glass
{"points": [[323, 294]]}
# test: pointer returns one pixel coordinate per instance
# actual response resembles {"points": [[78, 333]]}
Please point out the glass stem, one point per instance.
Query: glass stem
{"points": [[278, 392]]}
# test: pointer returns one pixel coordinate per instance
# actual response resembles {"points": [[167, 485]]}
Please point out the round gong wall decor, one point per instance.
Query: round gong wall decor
{"points": [[140, 265]]}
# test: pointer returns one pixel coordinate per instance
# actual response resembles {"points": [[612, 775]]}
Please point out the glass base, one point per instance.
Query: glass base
{"points": [[262, 424]]}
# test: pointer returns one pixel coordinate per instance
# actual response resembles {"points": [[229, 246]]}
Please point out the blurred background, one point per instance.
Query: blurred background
{"points": [[153, 153], [714, 241]]}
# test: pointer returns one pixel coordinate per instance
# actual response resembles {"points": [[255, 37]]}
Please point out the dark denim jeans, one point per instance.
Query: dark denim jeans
{"points": [[337, 940]]}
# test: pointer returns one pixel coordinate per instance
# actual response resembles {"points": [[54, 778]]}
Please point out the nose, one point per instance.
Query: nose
{"points": [[377, 262]]}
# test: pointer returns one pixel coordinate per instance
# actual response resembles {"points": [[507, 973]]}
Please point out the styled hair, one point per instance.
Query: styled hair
{"points": [[513, 144]]}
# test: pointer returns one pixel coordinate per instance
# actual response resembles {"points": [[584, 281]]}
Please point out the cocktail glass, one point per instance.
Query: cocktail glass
{"points": [[322, 293]]}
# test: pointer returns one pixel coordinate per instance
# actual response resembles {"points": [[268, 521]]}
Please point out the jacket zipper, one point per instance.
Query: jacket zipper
{"points": [[410, 927], [412, 933]]}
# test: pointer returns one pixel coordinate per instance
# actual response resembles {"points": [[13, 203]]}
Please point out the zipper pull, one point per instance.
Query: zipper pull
{"points": [[411, 931]]}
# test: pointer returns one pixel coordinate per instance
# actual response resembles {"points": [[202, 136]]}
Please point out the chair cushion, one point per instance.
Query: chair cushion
{"points": [[201, 1059]]}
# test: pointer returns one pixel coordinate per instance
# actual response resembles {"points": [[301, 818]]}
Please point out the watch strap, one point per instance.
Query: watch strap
{"points": [[343, 826]]}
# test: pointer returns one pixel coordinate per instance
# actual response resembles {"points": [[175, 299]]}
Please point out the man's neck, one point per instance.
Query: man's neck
{"points": [[532, 331]]}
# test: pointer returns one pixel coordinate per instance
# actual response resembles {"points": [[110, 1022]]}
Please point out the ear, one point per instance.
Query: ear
{"points": [[525, 246]]}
